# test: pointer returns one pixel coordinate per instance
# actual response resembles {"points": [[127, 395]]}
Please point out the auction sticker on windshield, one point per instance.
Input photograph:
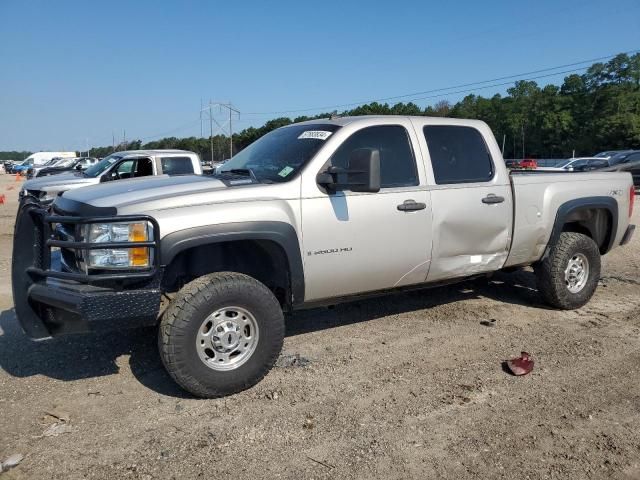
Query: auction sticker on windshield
{"points": [[316, 134], [285, 171]]}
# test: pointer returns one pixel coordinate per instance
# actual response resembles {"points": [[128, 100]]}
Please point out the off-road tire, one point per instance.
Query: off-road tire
{"points": [[550, 274], [183, 318]]}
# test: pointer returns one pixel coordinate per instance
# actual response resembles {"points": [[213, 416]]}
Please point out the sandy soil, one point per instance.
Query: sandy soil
{"points": [[406, 386]]}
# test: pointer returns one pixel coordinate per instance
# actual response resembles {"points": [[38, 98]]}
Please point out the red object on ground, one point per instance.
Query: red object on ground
{"points": [[521, 365], [528, 163], [1, 199]]}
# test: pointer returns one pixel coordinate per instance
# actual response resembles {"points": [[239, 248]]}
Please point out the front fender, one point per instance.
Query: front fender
{"points": [[281, 233]]}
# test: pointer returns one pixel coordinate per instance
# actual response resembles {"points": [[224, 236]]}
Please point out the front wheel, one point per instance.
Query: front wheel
{"points": [[221, 334], [568, 276]]}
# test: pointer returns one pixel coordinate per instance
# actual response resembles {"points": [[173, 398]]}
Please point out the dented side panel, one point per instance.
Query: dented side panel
{"points": [[470, 236]]}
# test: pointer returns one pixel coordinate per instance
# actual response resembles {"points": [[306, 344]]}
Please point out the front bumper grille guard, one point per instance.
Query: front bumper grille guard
{"points": [[45, 239]]}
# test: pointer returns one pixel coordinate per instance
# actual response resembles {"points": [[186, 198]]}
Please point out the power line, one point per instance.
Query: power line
{"points": [[442, 89], [181, 127], [479, 85]]}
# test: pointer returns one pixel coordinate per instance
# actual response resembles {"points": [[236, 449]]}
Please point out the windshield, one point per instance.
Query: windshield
{"points": [[98, 168], [280, 154], [65, 163], [564, 164], [619, 158]]}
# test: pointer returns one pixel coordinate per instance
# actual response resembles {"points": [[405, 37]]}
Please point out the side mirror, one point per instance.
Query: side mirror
{"points": [[78, 167], [362, 174]]}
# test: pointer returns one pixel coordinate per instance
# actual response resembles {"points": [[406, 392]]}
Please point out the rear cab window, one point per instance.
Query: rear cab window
{"points": [[176, 165], [458, 154]]}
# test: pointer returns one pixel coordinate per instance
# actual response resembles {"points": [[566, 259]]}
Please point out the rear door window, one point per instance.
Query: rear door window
{"points": [[176, 165], [458, 154]]}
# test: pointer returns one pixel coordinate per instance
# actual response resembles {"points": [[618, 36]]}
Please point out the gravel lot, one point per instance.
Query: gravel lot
{"points": [[406, 386]]}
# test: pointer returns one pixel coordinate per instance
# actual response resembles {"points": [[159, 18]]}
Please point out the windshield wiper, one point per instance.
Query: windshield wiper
{"points": [[242, 171]]}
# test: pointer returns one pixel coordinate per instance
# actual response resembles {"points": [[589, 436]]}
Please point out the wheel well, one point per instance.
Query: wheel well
{"points": [[264, 260], [596, 223]]}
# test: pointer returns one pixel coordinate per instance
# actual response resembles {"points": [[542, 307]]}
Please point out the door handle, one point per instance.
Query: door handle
{"points": [[492, 198], [411, 205]]}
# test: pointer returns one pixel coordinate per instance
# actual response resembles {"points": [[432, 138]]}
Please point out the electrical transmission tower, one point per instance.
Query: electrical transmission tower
{"points": [[208, 111]]}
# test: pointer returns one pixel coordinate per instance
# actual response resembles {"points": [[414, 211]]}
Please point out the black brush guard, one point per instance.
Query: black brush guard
{"points": [[49, 301]]}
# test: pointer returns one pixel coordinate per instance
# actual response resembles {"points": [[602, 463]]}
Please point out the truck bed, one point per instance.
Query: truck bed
{"points": [[537, 196]]}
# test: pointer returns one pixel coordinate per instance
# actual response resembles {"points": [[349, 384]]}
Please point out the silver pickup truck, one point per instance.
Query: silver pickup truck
{"points": [[310, 214], [117, 166]]}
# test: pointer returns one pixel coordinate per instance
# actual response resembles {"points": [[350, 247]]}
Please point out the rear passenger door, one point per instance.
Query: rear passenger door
{"points": [[471, 201]]}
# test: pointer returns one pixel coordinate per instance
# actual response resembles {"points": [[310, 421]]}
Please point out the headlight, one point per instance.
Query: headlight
{"points": [[138, 257]]}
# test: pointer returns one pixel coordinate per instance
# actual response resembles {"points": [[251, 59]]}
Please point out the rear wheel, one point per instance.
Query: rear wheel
{"points": [[568, 276], [221, 334]]}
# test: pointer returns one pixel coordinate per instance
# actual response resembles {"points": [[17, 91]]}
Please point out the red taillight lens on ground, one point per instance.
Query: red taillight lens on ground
{"points": [[632, 199]]}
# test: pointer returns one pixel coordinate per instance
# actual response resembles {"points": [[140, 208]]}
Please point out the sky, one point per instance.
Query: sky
{"points": [[76, 73]]}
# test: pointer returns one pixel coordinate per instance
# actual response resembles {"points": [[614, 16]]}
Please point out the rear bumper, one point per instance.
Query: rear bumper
{"points": [[626, 238], [49, 301]]}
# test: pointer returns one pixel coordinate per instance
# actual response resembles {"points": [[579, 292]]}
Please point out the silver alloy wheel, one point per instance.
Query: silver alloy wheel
{"points": [[227, 338], [577, 273]]}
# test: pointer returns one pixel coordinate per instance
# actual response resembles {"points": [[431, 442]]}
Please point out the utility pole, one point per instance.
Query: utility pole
{"points": [[211, 127], [230, 135], [113, 142], [504, 139]]}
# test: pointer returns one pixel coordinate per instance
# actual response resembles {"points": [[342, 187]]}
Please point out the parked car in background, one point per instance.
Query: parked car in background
{"points": [[631, 165], [528, 164], [40, 158], [522, 164], [610, 153], [34, 169], [22, 167], [582, 164], [8, 165], [622, 157], [117, 166], [65, 165]]}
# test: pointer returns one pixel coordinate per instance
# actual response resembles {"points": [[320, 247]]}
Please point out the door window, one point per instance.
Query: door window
{"points": [[458, 154], [594, 164], [144, 167], [397, 162], [125, 168], [176, 165]]}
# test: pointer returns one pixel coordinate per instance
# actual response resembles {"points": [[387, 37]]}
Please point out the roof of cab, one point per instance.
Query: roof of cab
{"points": [[342, 121], [126, 153]]}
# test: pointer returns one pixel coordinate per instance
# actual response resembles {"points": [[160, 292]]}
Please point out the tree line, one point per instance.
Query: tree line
{"points": [[595, 111]]}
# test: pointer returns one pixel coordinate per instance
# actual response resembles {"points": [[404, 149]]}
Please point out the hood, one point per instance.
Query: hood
{"points": [[56, 182], [149, 190]]}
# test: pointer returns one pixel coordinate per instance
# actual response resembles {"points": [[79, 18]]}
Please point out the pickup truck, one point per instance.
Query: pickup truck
{"points": [[117, 166], [310, 214]]}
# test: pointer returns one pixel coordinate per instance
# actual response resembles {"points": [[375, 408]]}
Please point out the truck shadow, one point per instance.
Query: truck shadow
{"points": [[95, 355], [517, 288]]}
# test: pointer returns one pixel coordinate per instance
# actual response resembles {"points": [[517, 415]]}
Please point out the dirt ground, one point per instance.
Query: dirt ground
{"points": [[406, 386]]}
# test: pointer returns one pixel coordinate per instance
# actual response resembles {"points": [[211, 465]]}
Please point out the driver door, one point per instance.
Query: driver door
{"points": [[361, 242]]}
